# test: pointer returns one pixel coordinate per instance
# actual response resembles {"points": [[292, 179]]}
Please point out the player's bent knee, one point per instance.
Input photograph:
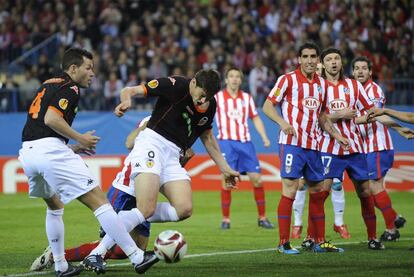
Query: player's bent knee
{"points": [[185, 212]]}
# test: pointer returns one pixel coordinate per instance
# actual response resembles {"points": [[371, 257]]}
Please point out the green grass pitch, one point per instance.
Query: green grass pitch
{"points": [[244, 250]]}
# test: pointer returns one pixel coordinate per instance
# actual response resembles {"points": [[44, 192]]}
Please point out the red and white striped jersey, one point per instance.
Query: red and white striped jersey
{"points": [[348, 93], [122, 180], [375, 135], [232, 115], [301, 102]]}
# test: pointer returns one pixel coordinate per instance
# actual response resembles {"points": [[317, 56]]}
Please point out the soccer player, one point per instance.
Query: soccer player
{"points": [[379, 150], [234, 108], [301, 97], [55, 171], [120, 200], [184, 111], [337, 197]]}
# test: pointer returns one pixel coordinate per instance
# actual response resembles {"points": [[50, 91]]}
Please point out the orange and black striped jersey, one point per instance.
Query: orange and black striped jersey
{"points": [[61, 95]]}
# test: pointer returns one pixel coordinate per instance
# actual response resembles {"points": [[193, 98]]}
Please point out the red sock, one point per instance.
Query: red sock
{"points": [[225, 202], [317, 214], [311, 229], [79, 253], [284, 214], [383, 202], [116, 254], [368, 214], [259, 196]]}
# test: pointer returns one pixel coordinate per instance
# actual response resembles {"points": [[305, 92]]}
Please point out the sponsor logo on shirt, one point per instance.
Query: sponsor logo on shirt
{"points": [[63, 103], [311, 103], [338, 105], [153, 84], [75, 89]]}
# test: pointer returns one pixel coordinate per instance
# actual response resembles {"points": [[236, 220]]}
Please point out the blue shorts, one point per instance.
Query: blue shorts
{"points": [[354, 164], [296, 162], [380, 162], [122, 201], [241, 156]]}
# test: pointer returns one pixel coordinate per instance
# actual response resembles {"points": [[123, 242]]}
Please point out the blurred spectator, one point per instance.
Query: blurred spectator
{"points": [[28, 88], [112, 90], [185, 36], [258, 82], [44, 69]]}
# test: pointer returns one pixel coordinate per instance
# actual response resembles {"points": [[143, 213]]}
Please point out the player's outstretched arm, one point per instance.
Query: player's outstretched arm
{"points": [[126, 95], [403, 116], [270, 111], [390, 123], [54, 121], [327, 126], [130, 140], [258, 124], [213, 149]]}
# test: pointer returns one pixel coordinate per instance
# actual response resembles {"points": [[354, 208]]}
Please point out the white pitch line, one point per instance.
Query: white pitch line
{"points": [[201, 255]]}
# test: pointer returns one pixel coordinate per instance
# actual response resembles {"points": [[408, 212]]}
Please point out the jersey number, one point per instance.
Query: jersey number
{"points": [[35, 106], [289, 160]]}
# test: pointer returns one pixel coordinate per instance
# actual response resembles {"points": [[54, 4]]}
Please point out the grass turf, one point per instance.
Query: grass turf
{"points": [[22, 239]]}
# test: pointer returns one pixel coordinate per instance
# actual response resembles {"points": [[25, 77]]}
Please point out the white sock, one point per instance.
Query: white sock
{"points": [[55, 231], [164, 213], [115, 229], [129, 219], [338, 203], [298, 206]]}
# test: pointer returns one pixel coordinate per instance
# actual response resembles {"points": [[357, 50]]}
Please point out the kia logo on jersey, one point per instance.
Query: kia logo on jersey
{"points": [[234, 114], [311, 103], [338, 105]]}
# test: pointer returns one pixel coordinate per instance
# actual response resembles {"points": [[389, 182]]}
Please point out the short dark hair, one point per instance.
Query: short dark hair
{"points": [[235, 69], [309, 45], [209, 80], [330, 50], [361, 59], [75, 56]]}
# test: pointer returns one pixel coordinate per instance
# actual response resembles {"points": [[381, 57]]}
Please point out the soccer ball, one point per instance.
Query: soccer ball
{"points": [[170, 246]]}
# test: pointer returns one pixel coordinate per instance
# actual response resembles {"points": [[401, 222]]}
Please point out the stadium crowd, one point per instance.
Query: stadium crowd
{"points": [[135, 41]]}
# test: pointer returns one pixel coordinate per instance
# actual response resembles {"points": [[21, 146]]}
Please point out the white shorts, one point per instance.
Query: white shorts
{"points": [[152, 153], [53, 168]]}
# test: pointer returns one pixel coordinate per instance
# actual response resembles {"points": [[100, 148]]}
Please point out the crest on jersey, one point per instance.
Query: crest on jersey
{"points": [[319, 89], [346, 90], [150, 163], [288, 169], [338, 105], [311, 103], [203, 121], [153, 84], [63, 103]]}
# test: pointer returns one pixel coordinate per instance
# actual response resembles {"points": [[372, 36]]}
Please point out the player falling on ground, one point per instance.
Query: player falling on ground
{"points": [[120, 200], [55, 172], [234, 108], [338, 203], [184, 112], [301, 97], [379, 150]]}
